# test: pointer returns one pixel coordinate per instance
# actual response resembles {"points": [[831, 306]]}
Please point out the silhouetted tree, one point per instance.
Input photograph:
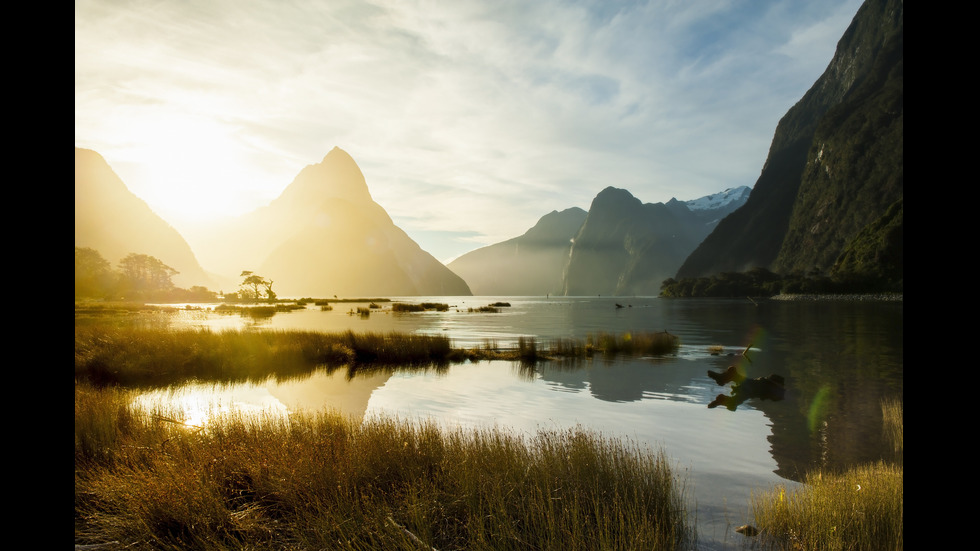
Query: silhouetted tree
{"points": [[252, 283], [93, 274], [146, 274]]}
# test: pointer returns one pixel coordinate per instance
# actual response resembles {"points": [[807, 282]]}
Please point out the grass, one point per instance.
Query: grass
{"points": [[488, 309], [421, 307], [859, 508], [322, 481], [149, 355], [153, 354]]}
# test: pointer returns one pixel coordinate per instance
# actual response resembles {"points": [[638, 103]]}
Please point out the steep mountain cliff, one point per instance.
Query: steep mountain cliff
{"points": [[531, 264], [626, 247], [619, 247], [325, 236], [114, 222], [835, 168]]}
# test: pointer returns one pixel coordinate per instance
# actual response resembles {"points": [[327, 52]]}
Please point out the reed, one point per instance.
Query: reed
{"points": [[527, 349], [644, 343], [324, 481], [155, 355], [140, 356], [859, 508], [421, 307], [406, 307], [893, 426]]}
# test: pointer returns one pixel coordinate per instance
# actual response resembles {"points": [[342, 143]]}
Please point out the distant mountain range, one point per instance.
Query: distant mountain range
{"points": [[619, 247], [829, 199]]}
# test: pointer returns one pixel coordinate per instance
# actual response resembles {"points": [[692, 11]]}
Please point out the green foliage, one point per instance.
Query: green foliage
{"points": [[760, 282]]}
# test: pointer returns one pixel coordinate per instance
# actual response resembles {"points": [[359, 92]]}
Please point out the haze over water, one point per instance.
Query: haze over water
{"points": [[839, 359]]}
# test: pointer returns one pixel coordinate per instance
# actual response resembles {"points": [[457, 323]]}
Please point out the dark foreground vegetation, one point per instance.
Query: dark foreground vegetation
{"points": [[321, 481], [147, 354], [317, 480], [760, 282]]}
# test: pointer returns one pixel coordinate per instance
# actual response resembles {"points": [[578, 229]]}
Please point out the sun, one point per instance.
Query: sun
{"points": [[189, 170]]}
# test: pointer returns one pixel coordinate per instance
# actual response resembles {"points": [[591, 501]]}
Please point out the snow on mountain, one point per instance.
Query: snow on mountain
{"points": [[719, 200]]}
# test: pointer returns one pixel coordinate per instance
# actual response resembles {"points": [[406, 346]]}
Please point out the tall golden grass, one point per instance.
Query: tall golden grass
{"points": [[859, 508], [323, 481], [154, 354]]}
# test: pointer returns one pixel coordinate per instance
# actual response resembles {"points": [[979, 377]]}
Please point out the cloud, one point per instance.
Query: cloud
{"points": [[473, 118]]}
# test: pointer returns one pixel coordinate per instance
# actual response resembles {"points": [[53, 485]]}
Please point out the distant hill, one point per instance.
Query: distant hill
{"points": [[324, 236], [531, 264], [619, 247], [829, 199], [114, 222]]}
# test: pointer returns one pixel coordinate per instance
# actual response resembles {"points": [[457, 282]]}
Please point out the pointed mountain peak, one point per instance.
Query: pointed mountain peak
{"points": [[613, 195], [337, 176]]}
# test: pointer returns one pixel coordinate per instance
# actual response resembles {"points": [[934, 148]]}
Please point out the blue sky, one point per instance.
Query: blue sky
{"points": [[469, 119]]}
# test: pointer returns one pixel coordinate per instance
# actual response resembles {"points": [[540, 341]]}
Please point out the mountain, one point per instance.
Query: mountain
{"points": [[530, 264], [829, 198], [114, 222], [626, 247], [324, 236], [620, 246]]}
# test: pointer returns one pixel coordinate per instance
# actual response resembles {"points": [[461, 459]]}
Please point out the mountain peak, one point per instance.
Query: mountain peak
{"points": [[337, 176]]}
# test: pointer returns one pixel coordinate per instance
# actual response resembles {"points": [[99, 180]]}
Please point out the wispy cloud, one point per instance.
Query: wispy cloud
{"points": [[472, 118]]}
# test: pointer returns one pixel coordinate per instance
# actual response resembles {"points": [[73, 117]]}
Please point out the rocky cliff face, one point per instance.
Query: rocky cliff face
{"points": [[626, 247], [619, 247], [114, 222], [834, 170]]}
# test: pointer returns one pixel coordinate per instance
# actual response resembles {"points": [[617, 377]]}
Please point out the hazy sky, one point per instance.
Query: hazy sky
{"points": [[469, 119]]}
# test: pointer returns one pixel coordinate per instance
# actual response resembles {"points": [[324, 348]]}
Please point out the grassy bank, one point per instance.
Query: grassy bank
{"points": [[859, 508], [320, 481], [148, 354]]}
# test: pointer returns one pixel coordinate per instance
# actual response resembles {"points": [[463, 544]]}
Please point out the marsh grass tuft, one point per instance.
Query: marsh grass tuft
{"points": [[139, 354], [421, 307], [893, 426], [321, 480], [858, 508], [647, 343]]}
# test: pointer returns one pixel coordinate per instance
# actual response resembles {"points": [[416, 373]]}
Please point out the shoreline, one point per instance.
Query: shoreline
{"points": [[872, 297]]}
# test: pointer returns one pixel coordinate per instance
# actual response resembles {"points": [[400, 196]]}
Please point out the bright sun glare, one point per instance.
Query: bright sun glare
{"points": [[191, 168]]}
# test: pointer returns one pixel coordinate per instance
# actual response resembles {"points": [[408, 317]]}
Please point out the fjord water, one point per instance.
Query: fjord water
{"points": [[839, 359]]}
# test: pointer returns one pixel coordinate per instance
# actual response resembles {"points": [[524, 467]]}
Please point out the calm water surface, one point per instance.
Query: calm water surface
{"points": [[839, 360]]}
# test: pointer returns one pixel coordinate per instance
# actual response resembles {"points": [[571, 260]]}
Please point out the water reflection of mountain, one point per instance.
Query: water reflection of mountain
{"points": [[839, 362], [625, 380], [334, 391]]}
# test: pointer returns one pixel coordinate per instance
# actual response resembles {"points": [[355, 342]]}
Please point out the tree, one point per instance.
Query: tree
{"points": [[93, 275], [252, 283], [146, 274]]}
